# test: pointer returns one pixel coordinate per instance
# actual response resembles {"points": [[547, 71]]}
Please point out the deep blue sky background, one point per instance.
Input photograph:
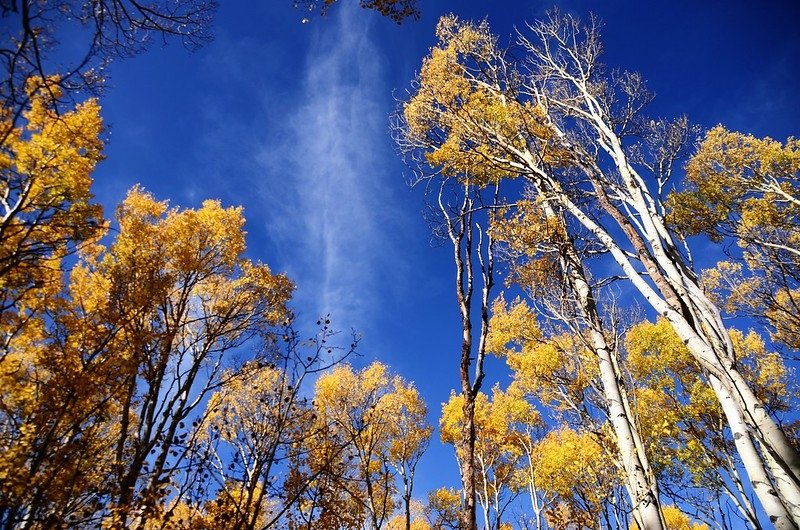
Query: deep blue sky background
{"points": [[291, 121]]}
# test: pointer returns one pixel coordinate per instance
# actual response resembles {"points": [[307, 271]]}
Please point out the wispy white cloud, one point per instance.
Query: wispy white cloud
{"points": [[332, 215]]}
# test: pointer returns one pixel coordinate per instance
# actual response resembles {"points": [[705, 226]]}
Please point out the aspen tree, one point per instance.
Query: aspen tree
{"points": [[559, 122], [458, 107], [379, 421]]}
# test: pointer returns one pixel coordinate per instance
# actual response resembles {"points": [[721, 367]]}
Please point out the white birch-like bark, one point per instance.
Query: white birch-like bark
{"points": [[696, 319], [788, 491], [704, 354], [694, 342], [740, 499], [715, 346], [562, 69], [778, 515], [537, 504], [640, 483]]}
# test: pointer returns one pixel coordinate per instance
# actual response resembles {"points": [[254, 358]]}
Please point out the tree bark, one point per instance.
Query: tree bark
{"points": [[639, 480], [460, 230], [778, 515], [567, 61], [468, 515], [788, 491], [735, 396]]}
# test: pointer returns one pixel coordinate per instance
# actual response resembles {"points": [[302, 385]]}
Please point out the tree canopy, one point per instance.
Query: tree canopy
{"points": [[155, 374]]}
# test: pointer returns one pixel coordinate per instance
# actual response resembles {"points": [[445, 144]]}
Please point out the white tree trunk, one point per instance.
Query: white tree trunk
{"points": [[759, 479], [733, 398], [787, 489], [707, 337], [640, 482], [642, 490]]}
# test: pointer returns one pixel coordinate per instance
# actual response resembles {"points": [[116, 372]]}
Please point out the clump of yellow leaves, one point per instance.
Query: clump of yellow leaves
{"points": [[499, 422], [574, 467], [418, 519], [533, 240], [678, 414], [48, 412], [46, 207], [141, 324], [444, 505], [502, 434], [379, 422], [751, 289], [677, 520], [383, 414], [674, 405], [566, 459], [465, 113], [556, 369], [748, 189], [741, 185], [511, 327]]}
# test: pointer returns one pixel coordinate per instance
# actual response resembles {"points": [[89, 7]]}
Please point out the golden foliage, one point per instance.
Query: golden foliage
{"points": [[757, 293], [52, 423], [566, 459], [502, 433], [511, 327], [418, 519], [379, 422], [527, 230], [532, 241], [130, 333], [557, 370], [258, 416], [677, 520], [748, 189], [575, 467], [499, 423], [444, 507], [47, 208], [741, 185], [678, 415], [464, 114], [654, 349], [374, 403]]}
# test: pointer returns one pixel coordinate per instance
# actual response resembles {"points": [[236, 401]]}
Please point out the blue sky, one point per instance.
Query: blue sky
{"points": [[291, 120]]}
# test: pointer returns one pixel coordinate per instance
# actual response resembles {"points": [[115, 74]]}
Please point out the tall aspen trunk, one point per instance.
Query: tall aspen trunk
{"points": [[626, 197], [460, 231], [674, 278], [468, 515], [778, 515], [788, 491], [740, 498], [744, 412], [640, 482], [406, 499]]}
